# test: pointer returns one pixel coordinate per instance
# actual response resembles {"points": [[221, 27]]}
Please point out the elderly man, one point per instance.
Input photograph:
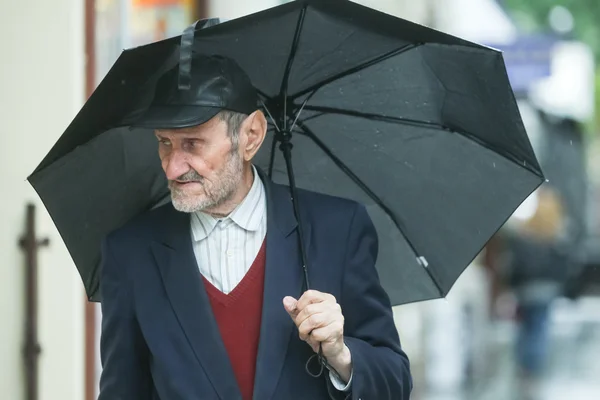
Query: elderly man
{"points": [[203, 298]]}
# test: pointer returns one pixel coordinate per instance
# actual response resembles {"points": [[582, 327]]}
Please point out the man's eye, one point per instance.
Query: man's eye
{"points": [[164, 142], [193, 142]]}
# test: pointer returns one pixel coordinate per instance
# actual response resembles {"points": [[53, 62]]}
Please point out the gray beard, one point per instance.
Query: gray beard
{"points": [[216, 194]]}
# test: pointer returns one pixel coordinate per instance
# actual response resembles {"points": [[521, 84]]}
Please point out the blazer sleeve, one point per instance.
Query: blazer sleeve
{"points": [[380, 368], [124, 355]]}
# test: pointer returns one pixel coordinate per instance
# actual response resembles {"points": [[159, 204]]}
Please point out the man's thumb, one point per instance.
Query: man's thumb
{"points": [[289, 303]]}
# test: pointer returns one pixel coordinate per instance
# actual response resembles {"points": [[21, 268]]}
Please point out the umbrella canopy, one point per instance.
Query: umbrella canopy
{"points": [[420, 126]]}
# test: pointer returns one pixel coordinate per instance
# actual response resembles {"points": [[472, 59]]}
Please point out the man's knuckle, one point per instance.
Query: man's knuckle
{"points": [[314, 320], [318, 335]]}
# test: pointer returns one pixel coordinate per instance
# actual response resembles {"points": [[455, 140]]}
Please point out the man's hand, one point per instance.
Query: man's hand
{"points": [[319, 320]]}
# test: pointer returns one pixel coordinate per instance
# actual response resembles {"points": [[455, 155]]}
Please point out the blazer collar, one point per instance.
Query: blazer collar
{"points": [[283, 277]]}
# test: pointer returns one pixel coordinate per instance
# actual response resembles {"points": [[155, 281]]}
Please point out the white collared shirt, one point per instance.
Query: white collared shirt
{"points": [[225, 248]]}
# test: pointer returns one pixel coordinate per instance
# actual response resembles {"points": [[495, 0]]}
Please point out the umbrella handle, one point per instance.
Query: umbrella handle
{"points": [[186, 48], [286, 148]]}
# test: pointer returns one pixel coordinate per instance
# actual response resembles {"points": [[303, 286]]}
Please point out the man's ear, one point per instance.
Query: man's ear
{"points": [[256, 130]]}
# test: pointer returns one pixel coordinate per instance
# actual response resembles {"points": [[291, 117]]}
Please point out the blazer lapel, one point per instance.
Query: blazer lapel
{"points": [[185, 290], [283, 277]]}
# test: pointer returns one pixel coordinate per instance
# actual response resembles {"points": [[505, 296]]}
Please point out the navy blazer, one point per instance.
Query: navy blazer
{"points": [[160, 339]]}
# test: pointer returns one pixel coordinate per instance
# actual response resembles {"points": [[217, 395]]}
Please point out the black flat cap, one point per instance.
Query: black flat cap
{"points": [[217, 83]]}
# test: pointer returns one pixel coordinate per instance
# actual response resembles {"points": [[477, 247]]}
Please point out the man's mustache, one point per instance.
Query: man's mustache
{"points": [[190, 176]]}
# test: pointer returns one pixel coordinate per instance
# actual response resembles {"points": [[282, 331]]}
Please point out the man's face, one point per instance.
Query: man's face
{"points": [[202, 166]]}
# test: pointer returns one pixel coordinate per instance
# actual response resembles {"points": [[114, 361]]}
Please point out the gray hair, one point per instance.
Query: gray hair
{"points": [[234, 121]]}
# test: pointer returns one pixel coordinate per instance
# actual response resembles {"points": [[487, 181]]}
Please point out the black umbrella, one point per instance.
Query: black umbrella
{"points": [[420, 126]]}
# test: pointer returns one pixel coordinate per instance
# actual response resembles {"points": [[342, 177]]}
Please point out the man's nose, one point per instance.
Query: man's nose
{"points": [[175, 165]]}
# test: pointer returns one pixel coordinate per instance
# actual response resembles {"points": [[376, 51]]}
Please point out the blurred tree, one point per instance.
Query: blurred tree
{"points": [[535, 14]]}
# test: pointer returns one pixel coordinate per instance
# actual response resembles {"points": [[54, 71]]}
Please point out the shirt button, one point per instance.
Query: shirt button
{"points": [[229, 253]]}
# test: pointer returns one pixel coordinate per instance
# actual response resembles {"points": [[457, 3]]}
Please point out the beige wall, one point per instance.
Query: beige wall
{"points": [[409, 9], [41, 89], [229, 9]]}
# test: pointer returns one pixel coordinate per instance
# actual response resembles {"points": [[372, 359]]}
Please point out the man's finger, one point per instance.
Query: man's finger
{"points": [[311, 323], [313, 296], [313, 308], [327, 333]]}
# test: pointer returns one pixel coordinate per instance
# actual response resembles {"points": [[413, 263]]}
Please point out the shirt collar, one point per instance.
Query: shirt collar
{"points": [[247, 215]]}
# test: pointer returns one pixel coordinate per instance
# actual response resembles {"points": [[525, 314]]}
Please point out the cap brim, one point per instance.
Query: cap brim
{"points": [[173, 117]]}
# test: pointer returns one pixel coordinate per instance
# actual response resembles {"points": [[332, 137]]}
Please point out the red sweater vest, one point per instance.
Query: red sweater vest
{"points": [[238, 315]]}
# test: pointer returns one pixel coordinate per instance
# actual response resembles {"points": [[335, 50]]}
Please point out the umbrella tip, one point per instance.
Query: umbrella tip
{"points": [[423, 261]]}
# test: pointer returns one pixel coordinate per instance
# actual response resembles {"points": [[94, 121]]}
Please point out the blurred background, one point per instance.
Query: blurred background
{"points": [[523, 321]]}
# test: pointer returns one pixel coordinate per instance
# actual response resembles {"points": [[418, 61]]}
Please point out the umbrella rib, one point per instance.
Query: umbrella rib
{"points": [[341, 165], [373, 117], [417, 123], [270, 116], [357, 68], [290, 62]]}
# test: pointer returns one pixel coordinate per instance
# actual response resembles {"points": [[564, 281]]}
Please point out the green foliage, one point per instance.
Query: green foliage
{"points": [[532, 15], [586, 14], [596, 122]]}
